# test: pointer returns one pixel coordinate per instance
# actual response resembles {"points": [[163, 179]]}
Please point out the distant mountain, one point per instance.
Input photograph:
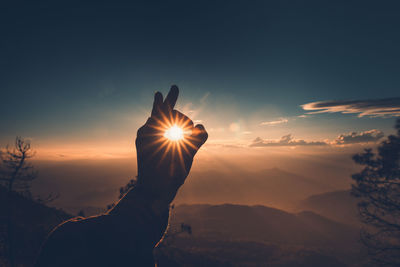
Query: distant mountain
{"points": [[260, 224], [337, 205], [271, 187], [31, 222]]}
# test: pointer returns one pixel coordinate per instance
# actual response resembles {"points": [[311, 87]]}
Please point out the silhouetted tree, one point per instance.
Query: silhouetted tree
{"points": [[378, 187], [16, 173], [123, 190]]}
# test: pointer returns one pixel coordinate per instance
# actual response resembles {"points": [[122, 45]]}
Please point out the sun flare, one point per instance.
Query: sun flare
{"points": [[176, 137], [175, 133]]}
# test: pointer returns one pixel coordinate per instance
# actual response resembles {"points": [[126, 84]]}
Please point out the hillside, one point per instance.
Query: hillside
{"points": [[31, 223], [197, 252], [263, 224], [223, 235], [337, 205], [264, 227]]}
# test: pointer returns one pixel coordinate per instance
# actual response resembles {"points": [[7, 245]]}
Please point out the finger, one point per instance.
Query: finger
{"points": [[157, 104], [197, 138], [182, 120], [148, 128], [199, 135], [171, 98]]}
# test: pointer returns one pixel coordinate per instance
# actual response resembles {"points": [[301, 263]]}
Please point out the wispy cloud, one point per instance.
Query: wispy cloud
{"points": [[373, 107], [286, 140], [303, 116], [204, 98], [273, 123], [359, 137]]}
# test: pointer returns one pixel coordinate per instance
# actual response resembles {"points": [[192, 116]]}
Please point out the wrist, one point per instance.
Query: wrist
{"points": [[159, 188], [153, 199]]}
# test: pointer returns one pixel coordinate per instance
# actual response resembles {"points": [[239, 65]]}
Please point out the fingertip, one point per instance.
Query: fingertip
{"points": [[158, 97], [200, 127], [201, 132], [172, 97], [174, 89], [158, 101]]}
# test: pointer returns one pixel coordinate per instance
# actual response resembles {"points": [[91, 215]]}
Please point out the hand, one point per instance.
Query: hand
{"points": [[164, 164]]}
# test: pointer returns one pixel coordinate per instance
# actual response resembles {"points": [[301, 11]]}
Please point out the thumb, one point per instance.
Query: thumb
{"points": [[199, 136]]}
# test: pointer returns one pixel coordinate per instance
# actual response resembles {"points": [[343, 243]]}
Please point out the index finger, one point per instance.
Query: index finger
{"points": [[171, 98], [157, 104]]}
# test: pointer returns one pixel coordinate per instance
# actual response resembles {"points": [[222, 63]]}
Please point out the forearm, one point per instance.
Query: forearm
{"points": [[126, 235], [141, 210]]}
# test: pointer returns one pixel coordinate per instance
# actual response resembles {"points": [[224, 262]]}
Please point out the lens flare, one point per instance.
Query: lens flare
{"points": [[175, 133], [174, 136]]}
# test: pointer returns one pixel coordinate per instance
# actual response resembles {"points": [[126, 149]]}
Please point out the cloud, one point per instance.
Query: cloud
{"points": [[286, 140], [303, 116], [361, 137], [370, 136], [373, 108], [204, 98], [273, 123]]}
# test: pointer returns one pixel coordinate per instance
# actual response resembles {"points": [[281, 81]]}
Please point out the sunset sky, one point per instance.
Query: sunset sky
{"points": [[79, 79]]}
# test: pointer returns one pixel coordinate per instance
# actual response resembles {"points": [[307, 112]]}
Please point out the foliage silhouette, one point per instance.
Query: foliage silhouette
{"points": [[378, 187], [16, 172], [16, 175], [123, 190]]}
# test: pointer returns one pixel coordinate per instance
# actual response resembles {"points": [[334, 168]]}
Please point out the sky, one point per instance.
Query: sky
{"points": [[294, 85], [76, 74]]}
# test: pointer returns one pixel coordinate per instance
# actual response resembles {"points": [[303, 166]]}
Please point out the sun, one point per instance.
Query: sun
{"points": [[175, 133]]}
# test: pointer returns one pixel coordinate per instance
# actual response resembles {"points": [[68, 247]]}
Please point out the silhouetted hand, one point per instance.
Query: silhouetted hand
{"points": [[164, 164]]}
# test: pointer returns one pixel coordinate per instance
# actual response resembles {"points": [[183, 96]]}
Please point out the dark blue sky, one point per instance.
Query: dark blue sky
{"points": [[67, 68]]}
